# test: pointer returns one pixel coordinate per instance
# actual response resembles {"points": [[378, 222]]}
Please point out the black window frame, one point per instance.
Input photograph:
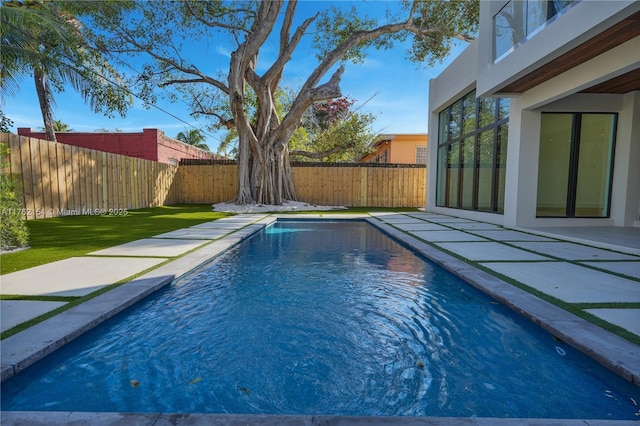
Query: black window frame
{"points": [[445, 146]]}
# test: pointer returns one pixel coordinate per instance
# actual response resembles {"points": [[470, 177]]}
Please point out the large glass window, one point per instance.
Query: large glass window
{"points": [[520, 19], [472, 156], [486, 169], [575, 164]]}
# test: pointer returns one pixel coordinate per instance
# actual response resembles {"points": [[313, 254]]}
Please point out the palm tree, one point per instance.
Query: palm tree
{"points": [[46, 39], [193, 137], [59, 126], [228, 147]]}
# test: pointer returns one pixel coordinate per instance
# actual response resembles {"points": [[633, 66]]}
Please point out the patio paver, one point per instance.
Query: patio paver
{"points": [[400, 219], [573, 251], [428, 216], [472, 225], [420, 226], [450, 219], [570, 283], [243, 218], [14, 312], [435, 236], [217, 224], [196, 233], [480, 251], [76, 276], [628, 268], [629, 319], [508, 235], [168, 247]]}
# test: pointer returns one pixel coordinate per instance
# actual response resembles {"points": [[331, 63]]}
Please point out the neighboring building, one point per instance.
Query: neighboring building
{"points": [[537, 122], [399, 149], [151, 144]]}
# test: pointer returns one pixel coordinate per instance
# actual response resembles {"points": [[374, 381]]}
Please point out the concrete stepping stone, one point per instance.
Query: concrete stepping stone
{"points": [[427, 216], [508, 235], [247, 218], [463, 226], [442, 236], [449, 219], [76, 276], [481, 251], [162, 247], [573, 251], [14, 312], [629, 319], [400, 219], [216, 224], [421, 226], [630, 268], [570, 283], [196, 233]]}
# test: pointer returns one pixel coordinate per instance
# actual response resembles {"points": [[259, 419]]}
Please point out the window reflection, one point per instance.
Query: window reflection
{"points": [[519, 19], [472, 157]]}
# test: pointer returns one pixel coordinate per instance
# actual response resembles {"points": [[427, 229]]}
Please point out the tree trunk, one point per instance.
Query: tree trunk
{"points": [[44, 97], [271, 181]]}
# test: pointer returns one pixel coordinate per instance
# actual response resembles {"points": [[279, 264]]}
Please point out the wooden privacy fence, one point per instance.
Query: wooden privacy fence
{"points": [[59, 179], [366, 185]]}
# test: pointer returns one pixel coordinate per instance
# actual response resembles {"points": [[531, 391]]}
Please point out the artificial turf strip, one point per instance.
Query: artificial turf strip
{"points": [[71, 236]]}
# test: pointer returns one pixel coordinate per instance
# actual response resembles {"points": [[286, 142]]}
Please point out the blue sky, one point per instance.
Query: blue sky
{"points": [[398, 89]]}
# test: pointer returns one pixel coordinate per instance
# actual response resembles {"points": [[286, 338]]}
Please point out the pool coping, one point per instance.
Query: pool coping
{"points": [[54, 418], [27, 347]]}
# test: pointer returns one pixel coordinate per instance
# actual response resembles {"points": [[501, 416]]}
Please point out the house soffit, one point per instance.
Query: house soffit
{"points": [[614, 36]]}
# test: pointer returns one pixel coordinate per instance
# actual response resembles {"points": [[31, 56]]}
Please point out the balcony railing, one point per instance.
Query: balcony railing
{"points": [[519, 20]]}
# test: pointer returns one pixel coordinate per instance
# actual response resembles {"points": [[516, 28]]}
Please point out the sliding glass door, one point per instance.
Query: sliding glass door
{"points": [[575, 165]]}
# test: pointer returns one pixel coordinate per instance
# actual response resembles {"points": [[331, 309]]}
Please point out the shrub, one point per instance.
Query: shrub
{"points": [[13, 230]]}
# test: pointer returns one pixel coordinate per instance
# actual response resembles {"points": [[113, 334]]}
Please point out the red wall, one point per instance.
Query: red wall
{"points": [[151, 144]]}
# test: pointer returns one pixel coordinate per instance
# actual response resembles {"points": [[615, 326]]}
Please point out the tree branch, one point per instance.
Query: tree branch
{"points": [[193, 80], [217, 24], [187, 70], [287, 49]]}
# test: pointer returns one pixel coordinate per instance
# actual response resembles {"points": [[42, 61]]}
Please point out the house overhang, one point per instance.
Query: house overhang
{"points": [[606, 40]]}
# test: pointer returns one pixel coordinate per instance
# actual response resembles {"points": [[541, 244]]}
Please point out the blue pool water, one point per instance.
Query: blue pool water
{"points": [[322, 318]]}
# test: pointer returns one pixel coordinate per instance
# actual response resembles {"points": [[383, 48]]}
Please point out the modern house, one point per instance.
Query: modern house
{"points": [[150, 144], [537, 122], [406, 148]]}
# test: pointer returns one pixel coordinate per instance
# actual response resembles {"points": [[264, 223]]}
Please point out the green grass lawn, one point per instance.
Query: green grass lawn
{"points": [[64, 237]]}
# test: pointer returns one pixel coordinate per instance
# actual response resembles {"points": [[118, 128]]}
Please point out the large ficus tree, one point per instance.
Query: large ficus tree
{"points": [[264, 173]]}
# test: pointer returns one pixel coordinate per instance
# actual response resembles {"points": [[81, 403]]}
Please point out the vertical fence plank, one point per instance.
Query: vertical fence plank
{"points": [[67, 164], [51, 160], [13, 143], [36, 177], [156, 184], [78, 176], [85, 173], [61, 178], [96, 180], [27, 178]]}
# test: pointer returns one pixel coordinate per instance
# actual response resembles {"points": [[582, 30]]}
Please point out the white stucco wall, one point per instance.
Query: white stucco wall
{"points": [[557, 94]]}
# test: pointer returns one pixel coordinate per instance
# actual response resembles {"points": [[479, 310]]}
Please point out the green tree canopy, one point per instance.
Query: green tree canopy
{"points": [[331, 131]]}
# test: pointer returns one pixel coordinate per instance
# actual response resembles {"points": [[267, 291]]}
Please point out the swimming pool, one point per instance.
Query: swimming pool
{"points": [[330, 318]]}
